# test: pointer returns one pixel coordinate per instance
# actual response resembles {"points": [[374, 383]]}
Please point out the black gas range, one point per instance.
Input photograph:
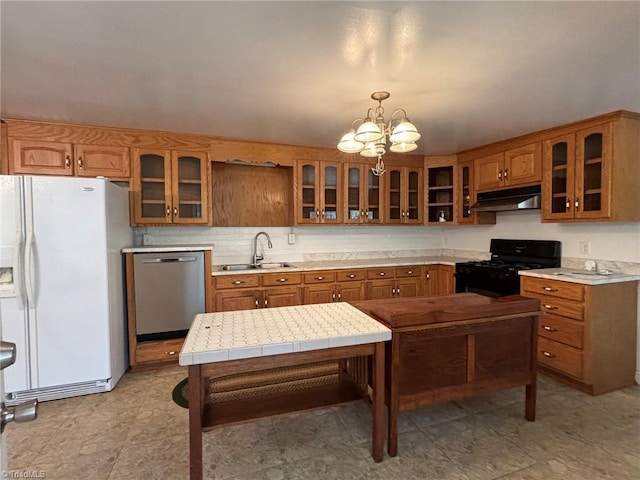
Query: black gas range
{"points": [[499, 276]]}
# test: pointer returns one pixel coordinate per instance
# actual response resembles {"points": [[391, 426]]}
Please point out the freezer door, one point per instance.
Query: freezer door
{"points": [[67, 280], [16, 378]]}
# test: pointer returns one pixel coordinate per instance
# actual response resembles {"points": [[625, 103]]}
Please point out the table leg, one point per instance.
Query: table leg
{"points": [[378, 402], [530, 401], [195, 422], [394, 399]]}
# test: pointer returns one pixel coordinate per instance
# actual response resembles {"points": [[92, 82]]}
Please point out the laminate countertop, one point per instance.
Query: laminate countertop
{"points": [[344, 264], [579, 276]]}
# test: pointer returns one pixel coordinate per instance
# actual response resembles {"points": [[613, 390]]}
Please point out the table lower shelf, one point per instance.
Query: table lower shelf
{"points": [[237, 411]]}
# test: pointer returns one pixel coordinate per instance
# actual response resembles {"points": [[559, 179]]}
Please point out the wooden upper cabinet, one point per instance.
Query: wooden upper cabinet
{"points": [[512, 168], [404, 198], [57, 158], [318, 187], [362, 194], [440, 194], [41, 158], [96, 160], [170, 187]]}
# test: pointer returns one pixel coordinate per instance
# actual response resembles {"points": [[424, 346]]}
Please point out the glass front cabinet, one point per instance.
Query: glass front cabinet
{"points": [[170, 187], [404, 195], [318, 192], [577, 175], [362, 194]]}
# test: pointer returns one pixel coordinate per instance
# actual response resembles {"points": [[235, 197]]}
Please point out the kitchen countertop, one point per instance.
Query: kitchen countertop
{"points": [[222, 336], [166, 248], [579, 276], [343, 264]]}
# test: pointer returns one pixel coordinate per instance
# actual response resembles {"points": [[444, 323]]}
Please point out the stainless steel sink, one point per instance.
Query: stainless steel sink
{"points": [[251, 266]]}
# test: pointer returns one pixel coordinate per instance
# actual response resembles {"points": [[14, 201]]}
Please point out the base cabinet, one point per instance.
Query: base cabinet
{"points": [[439, 280], [587, 333]]}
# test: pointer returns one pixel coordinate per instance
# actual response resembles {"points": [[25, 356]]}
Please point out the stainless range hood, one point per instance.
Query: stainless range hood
{"points": [[522, 198]]}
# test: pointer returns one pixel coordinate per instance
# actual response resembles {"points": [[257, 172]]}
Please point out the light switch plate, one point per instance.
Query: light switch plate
{"points": [[292, 239]]}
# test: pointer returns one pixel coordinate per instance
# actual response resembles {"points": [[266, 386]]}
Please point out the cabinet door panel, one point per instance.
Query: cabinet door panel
{"points": [[236, 300], [593, 172], [523, 165], [281, 297], [330, 192], [409, 287], [319, 294], [446, 280], [96, 160], [558, 180], [190, 195], [307, 195], [488, 172], [378, 289], [151, 186], [48, 158], [350, 291]]}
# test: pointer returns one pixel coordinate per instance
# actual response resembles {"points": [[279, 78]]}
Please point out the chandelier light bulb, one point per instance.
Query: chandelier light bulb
{"points": [[368, 132], [405, 132], [372, 150], [348, 144], [403, 147]]}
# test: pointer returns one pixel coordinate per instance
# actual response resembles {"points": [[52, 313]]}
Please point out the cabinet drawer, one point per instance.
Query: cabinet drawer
{"points": [[560, 357], [557, 306], [163, 351], [554, 288], [319, 277], [374, 273], [561, 330], [284, 278], [236, 281], [409, 271], [350, 275]]}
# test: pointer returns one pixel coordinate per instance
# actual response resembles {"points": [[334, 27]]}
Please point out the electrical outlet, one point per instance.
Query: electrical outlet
{"points": [[585, 247], [292, 239]]}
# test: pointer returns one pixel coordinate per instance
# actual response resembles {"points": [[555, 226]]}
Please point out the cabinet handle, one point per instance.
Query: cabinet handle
{"points": [[80, 163], [339, 296], [506, 173], [409, 272], [499, 174], [549, 329], [319, 278], [333, 297], [257, 305], [353, 275], [168, 211], [238, 282], [282, 279], [265, 302], [175, 211], [577, 204], [317, 213], [67, 161], [398, 291], [322, 213], [362, 214], [549, 289], [171, 352], [382, 274], [568, 205], [393, 292], [549, 307], [548, 355], [428, 275]]}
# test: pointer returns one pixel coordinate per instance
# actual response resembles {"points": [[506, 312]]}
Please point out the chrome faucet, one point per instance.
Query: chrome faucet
{"points": [[258, 258]]}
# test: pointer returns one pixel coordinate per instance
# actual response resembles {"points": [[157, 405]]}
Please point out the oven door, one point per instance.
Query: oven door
{"points": [[490, 284]]}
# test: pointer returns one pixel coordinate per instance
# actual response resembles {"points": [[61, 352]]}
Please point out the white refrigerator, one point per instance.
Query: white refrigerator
{"points": [[61, 241]]}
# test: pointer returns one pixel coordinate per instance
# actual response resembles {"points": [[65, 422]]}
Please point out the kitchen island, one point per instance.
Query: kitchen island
{"points": [[244, 341], [454, 346]]}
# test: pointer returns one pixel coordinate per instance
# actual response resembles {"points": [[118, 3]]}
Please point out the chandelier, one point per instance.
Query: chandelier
{"points": [[370, 139]]}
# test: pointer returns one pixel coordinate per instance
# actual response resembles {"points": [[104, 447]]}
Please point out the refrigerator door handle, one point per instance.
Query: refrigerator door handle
{"points": [[29, 264], [18, 245]]}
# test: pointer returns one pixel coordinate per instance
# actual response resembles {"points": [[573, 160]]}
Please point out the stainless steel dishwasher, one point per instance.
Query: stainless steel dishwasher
{"points": [[169, 292]]}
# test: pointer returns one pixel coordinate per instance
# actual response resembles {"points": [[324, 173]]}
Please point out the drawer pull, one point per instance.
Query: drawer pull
{"points": [[409, 272], [549, 307], [353, 275], [548, 355], [382, 274], [171, 352], [549, 289], [282, 279], [238, 282], [550, 329], [319, 278]]}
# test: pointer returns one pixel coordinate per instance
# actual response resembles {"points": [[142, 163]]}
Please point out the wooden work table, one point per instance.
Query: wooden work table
{"points": [[243, 341], [449, 347]]}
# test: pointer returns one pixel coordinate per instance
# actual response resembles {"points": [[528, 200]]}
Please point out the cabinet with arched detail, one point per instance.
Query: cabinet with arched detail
{"points": [[593, 173]]}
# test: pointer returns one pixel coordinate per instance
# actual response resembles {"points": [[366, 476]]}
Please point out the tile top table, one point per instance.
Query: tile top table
{"points": [[224, 343], [222, 336]]}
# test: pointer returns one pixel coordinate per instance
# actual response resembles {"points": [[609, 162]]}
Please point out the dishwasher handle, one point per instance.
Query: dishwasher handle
{"points": [[169, 259]]}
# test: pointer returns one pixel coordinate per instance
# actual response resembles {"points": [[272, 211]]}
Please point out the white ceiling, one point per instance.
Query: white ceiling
{"points": [[468, 73]]}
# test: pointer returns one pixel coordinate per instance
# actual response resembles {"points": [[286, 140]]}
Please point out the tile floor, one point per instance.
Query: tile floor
{"points": [[137, 432]]}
